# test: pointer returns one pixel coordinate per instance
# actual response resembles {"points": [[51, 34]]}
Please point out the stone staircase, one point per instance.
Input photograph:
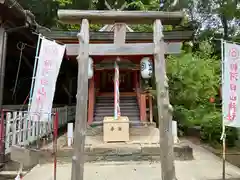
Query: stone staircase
{"points": [[104, 106]]}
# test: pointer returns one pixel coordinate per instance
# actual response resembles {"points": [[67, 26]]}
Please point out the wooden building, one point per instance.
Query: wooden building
{"points": [[16, 35]]}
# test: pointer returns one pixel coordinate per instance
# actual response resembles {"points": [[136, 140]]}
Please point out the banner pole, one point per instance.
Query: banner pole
{"points": [[34, 70], [55, 134], [224, 154], [223, 136]]}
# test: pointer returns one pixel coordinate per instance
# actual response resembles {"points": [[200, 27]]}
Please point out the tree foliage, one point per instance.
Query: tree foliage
{"points": [[194, 79], [208, 15]]}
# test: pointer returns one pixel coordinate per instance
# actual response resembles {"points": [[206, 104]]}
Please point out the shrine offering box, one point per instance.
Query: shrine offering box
{"points": [[116, 130]]}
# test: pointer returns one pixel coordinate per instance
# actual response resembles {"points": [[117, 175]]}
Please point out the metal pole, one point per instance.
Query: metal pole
{"points": [[224, 154], [34, 70], [32, 86], [38, 131], [3, 51], [55, 134], [223, 137]]}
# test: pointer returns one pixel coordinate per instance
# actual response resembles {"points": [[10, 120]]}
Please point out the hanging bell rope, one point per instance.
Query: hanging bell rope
{"points": [[20, 46]]}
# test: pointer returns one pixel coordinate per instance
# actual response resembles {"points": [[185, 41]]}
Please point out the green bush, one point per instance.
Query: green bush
{"points": [[211, 130], [193, 79]]}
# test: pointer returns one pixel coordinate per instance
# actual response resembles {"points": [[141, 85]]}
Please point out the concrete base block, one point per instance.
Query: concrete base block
{"points": [[26, 157]]}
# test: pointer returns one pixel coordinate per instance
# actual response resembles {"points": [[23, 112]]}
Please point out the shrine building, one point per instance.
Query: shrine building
{"points": [[135, 71]]}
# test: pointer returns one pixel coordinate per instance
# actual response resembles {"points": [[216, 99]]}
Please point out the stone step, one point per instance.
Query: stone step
{"points": [[100, 118], [132, 123], [111, 104], [136, 118], [129, 114], [105, 107], [112, 107], [121, 97], [123, 109], [102, 111], [134, 111], [112, 100]]}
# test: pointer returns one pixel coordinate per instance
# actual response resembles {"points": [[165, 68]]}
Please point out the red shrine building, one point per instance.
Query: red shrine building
{"points": [[134, 72]]}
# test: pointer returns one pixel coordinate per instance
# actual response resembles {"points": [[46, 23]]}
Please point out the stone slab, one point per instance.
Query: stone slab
{"points": [[127, 152]]}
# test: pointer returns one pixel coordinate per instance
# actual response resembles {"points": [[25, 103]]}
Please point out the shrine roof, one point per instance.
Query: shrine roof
{"points": [[18, 22], [130, 36], [13, 14]]}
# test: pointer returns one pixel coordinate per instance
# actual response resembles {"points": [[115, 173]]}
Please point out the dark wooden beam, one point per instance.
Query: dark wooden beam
{"points": [[108, 36], [111, 17]]}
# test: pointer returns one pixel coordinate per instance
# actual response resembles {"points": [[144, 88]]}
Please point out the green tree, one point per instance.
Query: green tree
{"points": [[45, 11], [216, 15], [193, 79]]}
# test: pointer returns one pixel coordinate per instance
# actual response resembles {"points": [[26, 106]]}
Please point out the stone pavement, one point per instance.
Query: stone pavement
{"points": [[205, 166]]}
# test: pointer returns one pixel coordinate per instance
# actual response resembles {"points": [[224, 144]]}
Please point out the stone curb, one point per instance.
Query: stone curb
{"points": [[133, 152]]}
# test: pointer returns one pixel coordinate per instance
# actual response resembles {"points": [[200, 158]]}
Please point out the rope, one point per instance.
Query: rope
{"points": [[20, 46]]}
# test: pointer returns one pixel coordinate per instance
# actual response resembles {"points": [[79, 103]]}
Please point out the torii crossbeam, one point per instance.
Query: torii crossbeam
{"points": [[128, 17]]}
